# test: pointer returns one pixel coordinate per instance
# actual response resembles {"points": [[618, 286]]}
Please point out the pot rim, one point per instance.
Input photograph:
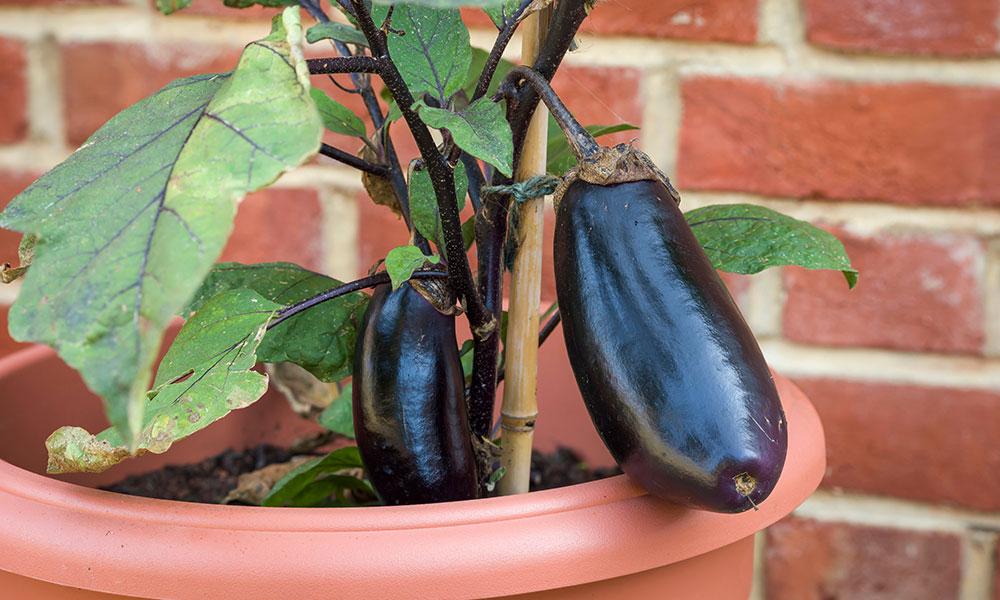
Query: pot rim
{"points": [[563, 537]]}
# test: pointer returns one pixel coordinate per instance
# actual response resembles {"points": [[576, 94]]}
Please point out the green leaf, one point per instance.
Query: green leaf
{"points": [[402, 261], [560, 155], [481, 130], [320, 340], [743, 238], [206, 374], [337, 117], [339, 416], [171, 6], [340, 32], [289, 487], [434, 54], [500, 13], [423, 202], [131, 223], [479, 58]]}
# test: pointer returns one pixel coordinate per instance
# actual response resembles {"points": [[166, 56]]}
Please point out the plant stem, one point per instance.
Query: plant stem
{"points": [[520, 404], [584, 145], [342, 64], [442, 177], [353, 161], [342, 290], [491, 230], [491, 221]]}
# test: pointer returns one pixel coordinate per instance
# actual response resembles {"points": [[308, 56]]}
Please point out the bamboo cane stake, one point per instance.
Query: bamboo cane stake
{"points": [[520, 406]]}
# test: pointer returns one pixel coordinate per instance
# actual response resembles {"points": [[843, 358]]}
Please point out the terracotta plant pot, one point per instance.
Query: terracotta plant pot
{"points": [[606, 539]]}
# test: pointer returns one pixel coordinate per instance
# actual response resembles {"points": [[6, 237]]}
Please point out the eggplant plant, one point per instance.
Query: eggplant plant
{"points": [[122, 238]]}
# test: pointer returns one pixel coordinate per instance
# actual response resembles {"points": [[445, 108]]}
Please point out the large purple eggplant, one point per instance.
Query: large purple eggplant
{"points": [[409, 403], [671, 374]]}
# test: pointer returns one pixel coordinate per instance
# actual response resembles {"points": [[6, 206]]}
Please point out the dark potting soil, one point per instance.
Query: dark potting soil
{"points": [[207, 481], [210, 480]]}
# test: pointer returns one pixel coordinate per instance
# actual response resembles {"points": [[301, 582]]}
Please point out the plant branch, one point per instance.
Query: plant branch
{"points": [[342, 290], [442, 177], [476, 179], [342, 64], [353, 161]]}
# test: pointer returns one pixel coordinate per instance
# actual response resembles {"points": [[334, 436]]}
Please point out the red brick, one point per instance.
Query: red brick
{"points": [[7, 344], [842, 140], [13, 92], [810, 560], [11, 184], [705, 20], [103, 78], [941, 27], [278, 224], [916, 292], [737, 284], [379, 231], [587, 92], [920, 443]]}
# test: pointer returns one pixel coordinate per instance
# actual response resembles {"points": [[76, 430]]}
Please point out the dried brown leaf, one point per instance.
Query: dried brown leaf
{"points": [[306, 394], [379, 188], [253, 487]]}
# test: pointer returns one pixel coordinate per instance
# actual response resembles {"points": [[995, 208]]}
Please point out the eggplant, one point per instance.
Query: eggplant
{"points": [[671, 374], [410, 416]]}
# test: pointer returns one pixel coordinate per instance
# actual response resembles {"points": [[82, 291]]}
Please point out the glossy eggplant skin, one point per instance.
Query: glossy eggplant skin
{"points": [[409, 402], [671, 374]]}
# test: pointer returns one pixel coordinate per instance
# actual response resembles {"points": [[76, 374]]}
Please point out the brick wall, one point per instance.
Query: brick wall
{"points": [[878, 119]]}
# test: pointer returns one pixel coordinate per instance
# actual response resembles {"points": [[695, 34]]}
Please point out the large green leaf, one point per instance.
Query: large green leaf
{"points": [[434, 53], [560, 155], [131, 223], [744, 238], [313, 482], [481, 129], [320, 340], [337, 117], [207, 373], [423, 202]]}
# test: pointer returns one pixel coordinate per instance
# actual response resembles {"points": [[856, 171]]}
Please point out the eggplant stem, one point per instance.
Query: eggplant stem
{"points": [[342, 290], [583, 144]]}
